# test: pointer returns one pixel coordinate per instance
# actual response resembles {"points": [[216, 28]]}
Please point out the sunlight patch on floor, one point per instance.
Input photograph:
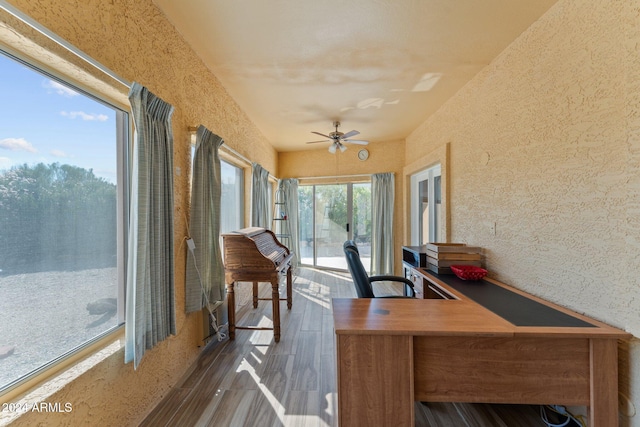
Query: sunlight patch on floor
{"points": [[317, 300], [273, 401]]}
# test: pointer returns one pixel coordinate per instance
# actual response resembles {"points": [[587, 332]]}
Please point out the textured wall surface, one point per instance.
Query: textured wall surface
{"points": [[545, 142], [556, 115], [133, 39], [383, 157]]}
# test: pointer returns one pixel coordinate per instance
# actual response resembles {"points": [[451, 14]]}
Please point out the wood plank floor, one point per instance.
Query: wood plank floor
{"points": [[254, 381]]}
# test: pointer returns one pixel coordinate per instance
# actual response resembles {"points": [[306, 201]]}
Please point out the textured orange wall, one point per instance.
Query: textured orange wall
{"points": [[383, 157], [133, 39], [545, 143]]}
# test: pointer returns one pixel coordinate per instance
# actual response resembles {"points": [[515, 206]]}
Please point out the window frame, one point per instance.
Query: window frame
{"points": [[124, 146], [239, 170], [417, 226]]}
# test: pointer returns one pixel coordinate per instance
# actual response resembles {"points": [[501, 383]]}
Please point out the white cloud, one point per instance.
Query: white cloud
{"points": [[59, 153], [17, 144], [59, 89], [85, 116]]}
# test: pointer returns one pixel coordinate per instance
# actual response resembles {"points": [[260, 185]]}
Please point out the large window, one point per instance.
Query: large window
{"points": [[232, 199], [61, 219]]}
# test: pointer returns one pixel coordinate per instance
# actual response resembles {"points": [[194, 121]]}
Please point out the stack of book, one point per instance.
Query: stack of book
{"points": [[441, 256]]}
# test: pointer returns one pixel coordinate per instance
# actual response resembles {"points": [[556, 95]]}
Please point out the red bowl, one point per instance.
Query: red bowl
{"points": [[468, 272]]}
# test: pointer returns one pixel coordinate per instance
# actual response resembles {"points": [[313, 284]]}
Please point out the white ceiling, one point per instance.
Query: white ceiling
{"points": [[379, 66]]}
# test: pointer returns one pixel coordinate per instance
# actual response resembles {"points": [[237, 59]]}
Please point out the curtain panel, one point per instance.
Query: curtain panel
{"points": [[259, 196], [150, 300], [382, 196], [205, 270], [290, 189]]}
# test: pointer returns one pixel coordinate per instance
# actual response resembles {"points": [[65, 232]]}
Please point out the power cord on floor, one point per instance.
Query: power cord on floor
{"points": [[214, 323], [560, 412]]}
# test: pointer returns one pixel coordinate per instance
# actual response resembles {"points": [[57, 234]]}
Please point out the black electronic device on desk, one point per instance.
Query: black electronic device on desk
{"points": [[414, 256]]}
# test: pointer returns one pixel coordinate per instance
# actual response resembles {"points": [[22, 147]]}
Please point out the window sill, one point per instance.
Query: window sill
{"points": [[39, 388]]}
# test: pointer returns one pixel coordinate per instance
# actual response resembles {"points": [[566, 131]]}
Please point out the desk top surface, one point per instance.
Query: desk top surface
{"points": [[512, 306], [457, 317], [409, 316]]}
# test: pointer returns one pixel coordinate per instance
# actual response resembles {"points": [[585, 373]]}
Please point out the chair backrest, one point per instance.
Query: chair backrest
{"points": [[351, 244], [358, 273]]}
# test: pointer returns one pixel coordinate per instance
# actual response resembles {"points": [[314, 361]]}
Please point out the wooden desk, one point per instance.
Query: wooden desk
{"points": [[392, 352]]}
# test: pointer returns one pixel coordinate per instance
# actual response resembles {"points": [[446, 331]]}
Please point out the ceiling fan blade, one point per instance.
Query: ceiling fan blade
{"points": [[314, 142], [322, 134], [350, 134], [356, 141]]}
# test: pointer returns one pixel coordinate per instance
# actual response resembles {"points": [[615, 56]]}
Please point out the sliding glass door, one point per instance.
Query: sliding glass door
{"points": [[329, 215], [331, 224]]}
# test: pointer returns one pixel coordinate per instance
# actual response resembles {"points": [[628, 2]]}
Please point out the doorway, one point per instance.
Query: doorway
{"points": [[329, 215], [426, 206]]}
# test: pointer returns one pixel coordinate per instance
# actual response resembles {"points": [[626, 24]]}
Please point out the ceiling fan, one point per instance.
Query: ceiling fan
{"points": [[338, 138]]}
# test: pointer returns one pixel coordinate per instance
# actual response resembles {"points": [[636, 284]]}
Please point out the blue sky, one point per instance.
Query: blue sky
{"points": [[42, 121]]}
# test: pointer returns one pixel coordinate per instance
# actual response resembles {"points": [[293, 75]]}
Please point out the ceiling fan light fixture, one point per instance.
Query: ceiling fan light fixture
{"points": [[337, 138]]}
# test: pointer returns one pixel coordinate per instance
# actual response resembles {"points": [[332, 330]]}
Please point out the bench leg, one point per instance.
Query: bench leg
{"points": [[255, 294], [289, 286], [275, 300], [231, 308]]}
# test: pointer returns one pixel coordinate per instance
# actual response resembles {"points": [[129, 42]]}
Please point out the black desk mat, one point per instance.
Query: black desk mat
{"points": [[512, 307]]}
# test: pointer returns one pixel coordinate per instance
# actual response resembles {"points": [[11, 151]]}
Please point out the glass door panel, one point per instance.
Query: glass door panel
{"points": [[426, 206], [305, 224], [331, 214], [437, 212], [361, 229], [423, 194]]}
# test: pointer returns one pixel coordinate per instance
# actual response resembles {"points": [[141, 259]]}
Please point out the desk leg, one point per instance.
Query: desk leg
{"points": [[255, 294], [375, 380], [275, 300], [603, 407], [231, 308], [289, 290]]}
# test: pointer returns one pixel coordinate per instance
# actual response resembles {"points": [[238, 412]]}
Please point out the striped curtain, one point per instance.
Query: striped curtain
{"points": [[382, 196], [205, 270], [260, 197], [150, 306], [290, 188]]}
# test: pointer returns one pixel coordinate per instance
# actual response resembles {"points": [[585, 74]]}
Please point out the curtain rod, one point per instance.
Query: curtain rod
{"points": [[243, 158], [337, 176], [60, 41], [194, 129], [235, 153]]}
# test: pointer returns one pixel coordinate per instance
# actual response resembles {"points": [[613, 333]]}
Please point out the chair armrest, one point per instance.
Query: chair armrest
{"points": [[408, 284]]}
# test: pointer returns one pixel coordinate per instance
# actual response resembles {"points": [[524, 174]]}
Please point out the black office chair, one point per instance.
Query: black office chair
{"points": [[363, 282]]}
